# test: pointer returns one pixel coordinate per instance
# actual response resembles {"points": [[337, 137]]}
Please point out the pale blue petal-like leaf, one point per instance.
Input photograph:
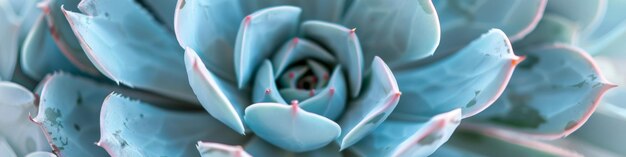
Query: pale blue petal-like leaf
{"points": [[5, 148], [609, 34], [9, 31], [379, 98], [344, 44], [210, 27], [325, 10], [260, 35], [397, 31], [259, 148], [470, 79], [162, 10], [296, 94], [68, 114], [290, 127], [209, 149], [40, 55], [265, 89], [330, 101], [605, 127], [133, 128], [40, 154], [464, 21], [585, 13], [550, 30], [145, 56], [21, 135], [221, 99], [290, 78], [550, 95], [409, 138], [474, 144], [298, 50], [62, 33]]}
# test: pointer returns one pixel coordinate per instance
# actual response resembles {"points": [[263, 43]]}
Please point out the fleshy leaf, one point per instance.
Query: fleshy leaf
{"points": [[585, 13], [162, 10], [68, 114], [325, 10], [550, 95], [474, 144], [210, 28], [133, 128], [398, 31], [463, 21], [342, 42], [145, 55], [40, 154], [208, 149], [409, 138], [609, 34], [265, 89], [20, 135], [221, 99], [470, 79], [331, 101], [5, 148], [550, 30], [380, 96], [260, 35], [9, 31], [259, 148], [62, 33], [289, 127], [40, 55], [298, 50]]}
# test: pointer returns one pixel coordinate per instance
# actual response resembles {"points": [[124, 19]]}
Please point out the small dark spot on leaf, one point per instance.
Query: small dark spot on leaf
{"points": [[429, 139], [77, 127], [593, 77], [79, 100], [141, 115], [119, 138], [580, 84], [53, 116]]}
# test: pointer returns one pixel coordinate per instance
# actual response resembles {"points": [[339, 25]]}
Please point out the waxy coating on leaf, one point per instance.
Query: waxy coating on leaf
{"points": [[289, 127], [257, 147], [209, 149], [409, 138], [265, 89], [146, 56], [133, 128], [369, 110], [221, 99], [68, 114], [562, 76]]}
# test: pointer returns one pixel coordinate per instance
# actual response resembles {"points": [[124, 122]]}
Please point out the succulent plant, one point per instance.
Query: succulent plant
{"points": [[302, 77]]}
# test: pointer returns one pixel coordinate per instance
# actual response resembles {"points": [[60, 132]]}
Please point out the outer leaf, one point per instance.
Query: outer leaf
{"points": [[40, 154], [563, 77], [265, 89], [18, 135], [221, 99], [145, 55], [259, 148], [9, 31], [585, 13], [464, 143], [409, 138], [550, 30], [463, 21], [471, 79], [210, 27], [344, 43], [208, 149], [398, 31], [63, 35], [133, 128], [607, 37], [380, 97], [40, 55], [260, 35], [325, 10], [289, 127], [298, 50], [68, 114]]}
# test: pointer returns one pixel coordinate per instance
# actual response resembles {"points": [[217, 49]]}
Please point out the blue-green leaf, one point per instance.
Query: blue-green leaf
{"points": [[210, 28], [68, 114], [162, 11], [550, 30], [146, 56], [471, 79], [260, 35], [259, 148], [325, 10], [331, 100], [397, 31], [380, 96], [550, 95], [342, 42], [209, 149], [220, 98], [609, 34], [298, 50], [265, 89], [585, 13], [409, 138], [289, 127], [133, 128]]}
